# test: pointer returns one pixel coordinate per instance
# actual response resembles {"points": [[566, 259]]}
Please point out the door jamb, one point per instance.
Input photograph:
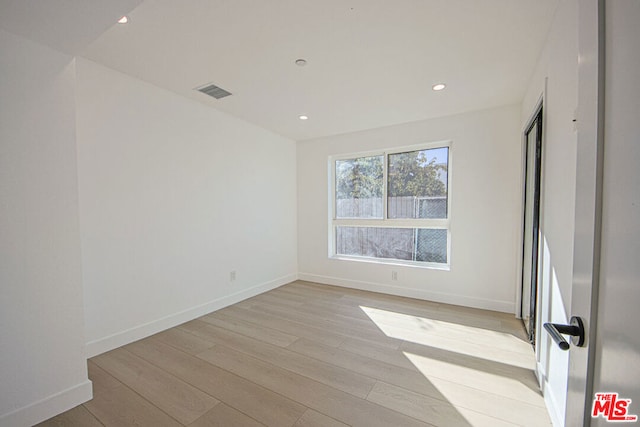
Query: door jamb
{"points": [[523, 180], [537, 116]]}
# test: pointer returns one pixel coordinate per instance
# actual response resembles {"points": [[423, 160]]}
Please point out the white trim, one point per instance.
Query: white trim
{"points": [[537, 106], [385, 187], [391, 261], [395, 150], [556, 415], [393, 223], [93, 348], [482, 303], [50, 406], [332, 206]]}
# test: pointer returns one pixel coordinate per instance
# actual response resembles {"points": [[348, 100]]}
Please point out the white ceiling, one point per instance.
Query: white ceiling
{"points": [[65, 25], [371, 63]]}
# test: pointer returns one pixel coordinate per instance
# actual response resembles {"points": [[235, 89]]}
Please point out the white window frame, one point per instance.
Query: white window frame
{"points": [[386, 222]]}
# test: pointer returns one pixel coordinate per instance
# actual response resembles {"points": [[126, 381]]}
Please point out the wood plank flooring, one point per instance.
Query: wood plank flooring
{"points": [[309, 355]]}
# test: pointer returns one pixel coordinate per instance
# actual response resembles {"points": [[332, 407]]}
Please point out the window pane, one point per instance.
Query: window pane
{"points": [[417, 184], [359, 187], [411, 244], [431, 245]]}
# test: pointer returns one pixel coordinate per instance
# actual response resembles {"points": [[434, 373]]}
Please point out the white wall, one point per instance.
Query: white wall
{"points": [[173, 197], [43, 369], [557, 68], [485, 210]]}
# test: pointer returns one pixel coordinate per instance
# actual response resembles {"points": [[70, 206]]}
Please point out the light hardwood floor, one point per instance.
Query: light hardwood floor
{"points": [[314, 355]]}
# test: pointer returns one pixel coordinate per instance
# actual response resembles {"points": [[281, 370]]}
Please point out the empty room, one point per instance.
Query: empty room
{"points": [[319, 213]]}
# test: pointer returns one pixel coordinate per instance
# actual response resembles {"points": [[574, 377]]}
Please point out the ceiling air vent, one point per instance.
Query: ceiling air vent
{"points": [[213, 90]]}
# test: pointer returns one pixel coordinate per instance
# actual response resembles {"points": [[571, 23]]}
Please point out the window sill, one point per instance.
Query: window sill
{"points": [[386, 261]]}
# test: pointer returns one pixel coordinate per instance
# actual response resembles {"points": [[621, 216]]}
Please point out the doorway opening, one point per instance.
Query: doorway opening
{"points": [[531, 241]]}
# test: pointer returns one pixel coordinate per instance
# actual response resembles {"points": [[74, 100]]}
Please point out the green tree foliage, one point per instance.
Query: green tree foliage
{"points": [[359, 178], [412, 174]]}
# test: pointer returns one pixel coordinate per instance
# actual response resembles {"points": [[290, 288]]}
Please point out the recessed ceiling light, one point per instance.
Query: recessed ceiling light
{"points": [[301, 62], [439, 86], [303, 117], [123, 20]]}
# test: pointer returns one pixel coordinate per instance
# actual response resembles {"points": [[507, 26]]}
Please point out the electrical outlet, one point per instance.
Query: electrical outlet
{"points": [[232, 276], [394, 275]]}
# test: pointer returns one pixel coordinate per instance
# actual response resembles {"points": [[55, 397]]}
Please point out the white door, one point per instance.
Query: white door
{"points": [[617, 355], [586, 256], [606, 288]]}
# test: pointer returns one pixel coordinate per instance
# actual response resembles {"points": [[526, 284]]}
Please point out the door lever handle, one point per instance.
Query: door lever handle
{"points": [[575, 329]]}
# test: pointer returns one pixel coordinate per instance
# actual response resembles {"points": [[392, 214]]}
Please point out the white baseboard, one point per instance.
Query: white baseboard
{"points": [[486, 304], [48, 407], [93, 348], [550, 401]]}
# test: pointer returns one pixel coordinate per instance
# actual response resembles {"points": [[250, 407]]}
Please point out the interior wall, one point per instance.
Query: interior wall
{"points": [[174, 196], [485, 193], [556, 76], [43, 370]]}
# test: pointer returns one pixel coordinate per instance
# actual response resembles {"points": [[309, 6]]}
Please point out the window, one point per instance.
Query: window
{"points": [[392, 205]]}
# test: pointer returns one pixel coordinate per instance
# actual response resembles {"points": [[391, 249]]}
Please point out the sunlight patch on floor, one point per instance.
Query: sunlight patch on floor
{"points": [[506, 386], [468, 340], [484, 398]]}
